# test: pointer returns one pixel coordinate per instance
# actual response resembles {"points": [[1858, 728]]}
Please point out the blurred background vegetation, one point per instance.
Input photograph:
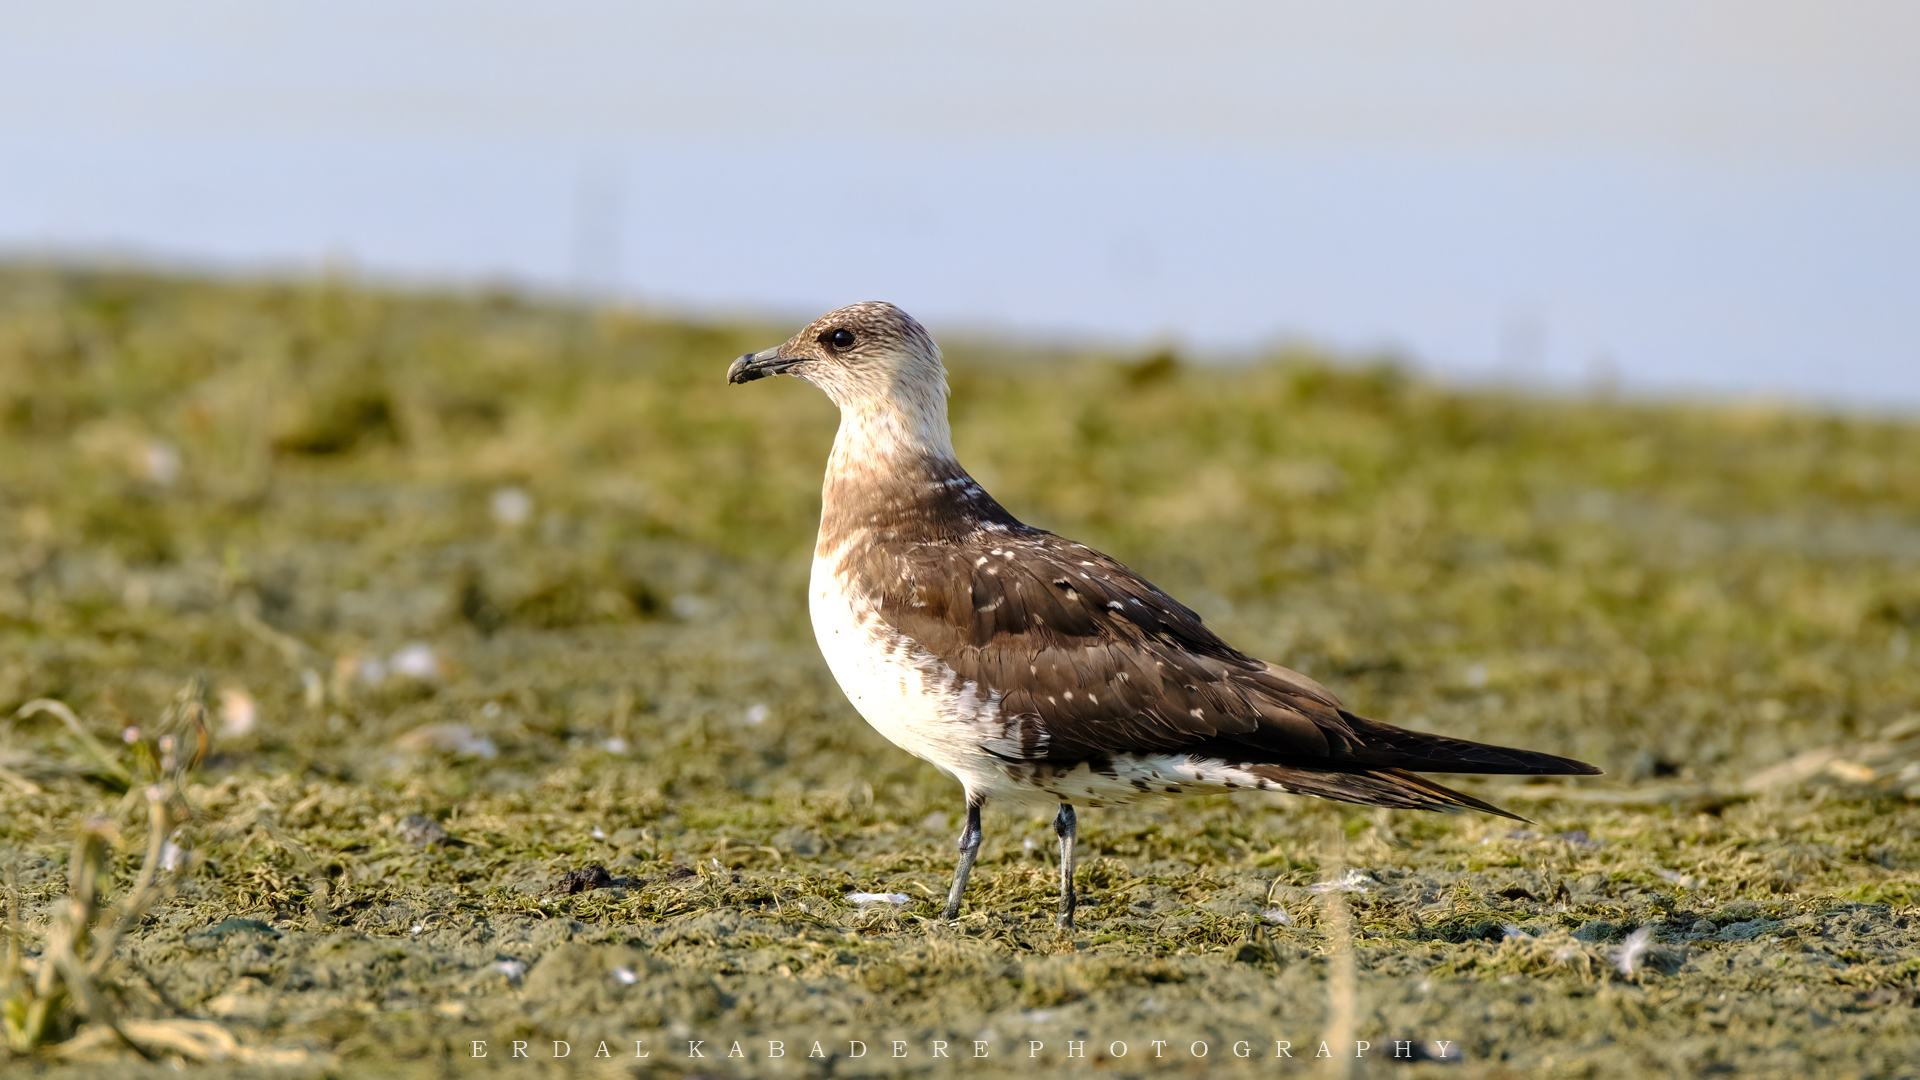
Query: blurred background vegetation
{"points": [[532, 575], [1660, 588]]}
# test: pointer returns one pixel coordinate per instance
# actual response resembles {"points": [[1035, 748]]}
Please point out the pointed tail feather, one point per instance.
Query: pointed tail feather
{"points": [[1398, 748], [1377, 787]]}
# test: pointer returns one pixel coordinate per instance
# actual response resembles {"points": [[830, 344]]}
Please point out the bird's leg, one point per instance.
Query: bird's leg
{"points": [[1064, 826], [969, 850]]}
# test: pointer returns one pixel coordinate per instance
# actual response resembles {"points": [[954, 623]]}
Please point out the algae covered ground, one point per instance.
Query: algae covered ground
{"points": [[473, 593]]}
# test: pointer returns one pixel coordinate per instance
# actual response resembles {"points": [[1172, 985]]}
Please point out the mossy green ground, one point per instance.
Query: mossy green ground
{"points": [[283, 486]]}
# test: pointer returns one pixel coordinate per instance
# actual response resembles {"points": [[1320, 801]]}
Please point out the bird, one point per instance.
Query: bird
{"points": [[1036, 670]]}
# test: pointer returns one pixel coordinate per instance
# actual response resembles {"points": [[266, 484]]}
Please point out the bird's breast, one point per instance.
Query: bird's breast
{"points": [[918, 702]]}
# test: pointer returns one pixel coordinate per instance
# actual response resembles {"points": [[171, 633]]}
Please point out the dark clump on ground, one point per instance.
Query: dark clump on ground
{"points": [[587, 878], [422, 831], [515, 727]]}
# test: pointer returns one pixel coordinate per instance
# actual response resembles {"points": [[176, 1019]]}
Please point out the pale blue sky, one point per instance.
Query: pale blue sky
{"points": [[1719, 197]]}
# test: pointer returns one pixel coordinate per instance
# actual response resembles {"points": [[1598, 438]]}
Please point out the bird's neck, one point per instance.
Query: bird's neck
{"points": [[893, 475], [881, 437]]}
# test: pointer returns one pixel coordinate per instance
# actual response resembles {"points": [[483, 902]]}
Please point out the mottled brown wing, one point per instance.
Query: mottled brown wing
{"points": [[1090, 659]]}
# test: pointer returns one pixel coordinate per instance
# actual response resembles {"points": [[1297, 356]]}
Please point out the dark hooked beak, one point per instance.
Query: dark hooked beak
{"points": [[758, 366]]}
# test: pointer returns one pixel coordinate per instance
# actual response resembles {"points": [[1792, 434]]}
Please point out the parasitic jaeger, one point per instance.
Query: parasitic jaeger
{"points": [[1034, 669]]}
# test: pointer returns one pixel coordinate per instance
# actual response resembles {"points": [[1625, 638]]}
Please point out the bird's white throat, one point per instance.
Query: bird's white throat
{"points": [[890, 438]]}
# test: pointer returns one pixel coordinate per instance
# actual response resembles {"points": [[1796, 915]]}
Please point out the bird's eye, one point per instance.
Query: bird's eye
{"points": [[840, 339]]}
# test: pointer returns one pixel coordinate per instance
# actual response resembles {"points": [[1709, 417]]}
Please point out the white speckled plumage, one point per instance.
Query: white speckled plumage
{"points": [[924, 707], [919, 703]]}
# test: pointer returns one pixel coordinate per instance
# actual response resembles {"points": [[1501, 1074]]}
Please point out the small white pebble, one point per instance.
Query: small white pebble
{"points": [[878, 898], [511, 506], [625, 976], [514, 970], [160, 462], [615, 745], [597, 834], [757, 714], [237, 712], [416, 661], [1352, 881], [448, 738], [417, 927]]}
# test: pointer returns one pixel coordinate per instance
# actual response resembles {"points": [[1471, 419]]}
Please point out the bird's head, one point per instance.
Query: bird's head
{"points": [[867, 357]]}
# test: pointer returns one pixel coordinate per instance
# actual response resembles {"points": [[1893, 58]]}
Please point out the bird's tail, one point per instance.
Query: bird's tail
{"points": [[1396, 788], [1397, 748]]}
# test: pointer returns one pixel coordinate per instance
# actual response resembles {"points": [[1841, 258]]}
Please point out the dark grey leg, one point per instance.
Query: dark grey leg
{"points": [[1065, 827], [969, 850]]}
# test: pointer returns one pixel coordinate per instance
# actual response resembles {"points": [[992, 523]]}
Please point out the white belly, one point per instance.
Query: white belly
{"points": [[919, 703]]}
